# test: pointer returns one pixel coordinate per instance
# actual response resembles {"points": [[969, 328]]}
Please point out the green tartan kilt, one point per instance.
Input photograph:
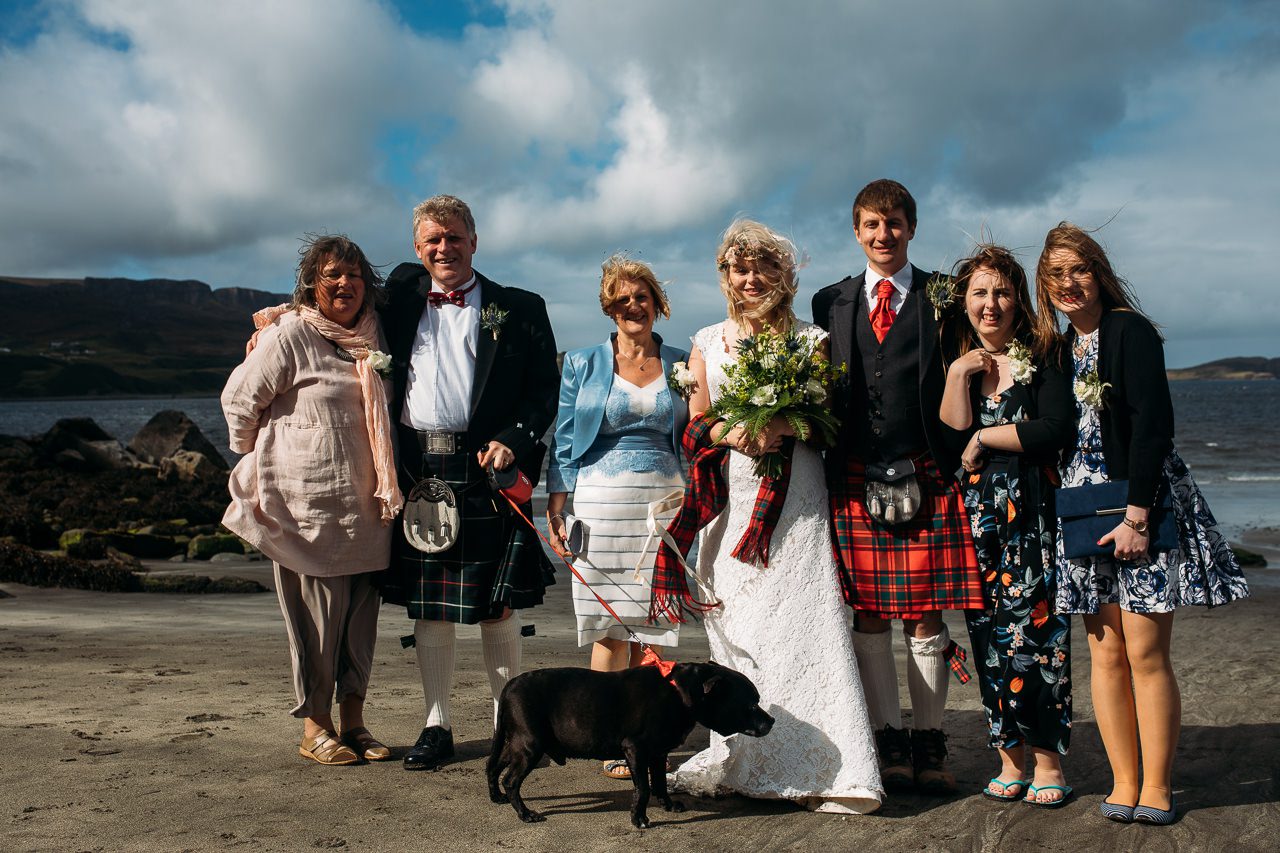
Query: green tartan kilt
{"points": [[497, 562]]}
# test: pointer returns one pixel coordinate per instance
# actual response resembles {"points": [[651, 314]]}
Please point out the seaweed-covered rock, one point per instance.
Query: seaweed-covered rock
{"points": [[21, 564], [1249, 559], [200, 584], [204, 547], [79, 444]]}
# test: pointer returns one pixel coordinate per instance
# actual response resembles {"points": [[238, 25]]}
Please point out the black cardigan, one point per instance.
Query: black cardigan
{"points": [[1137, 411], [1051, 428]]}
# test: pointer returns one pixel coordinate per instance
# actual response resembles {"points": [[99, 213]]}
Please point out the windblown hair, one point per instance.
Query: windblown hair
{"points": [[1115, 292], [777, 261], [440, 209], [956, 330], [883, 196], [317, 250], [619, 269]]}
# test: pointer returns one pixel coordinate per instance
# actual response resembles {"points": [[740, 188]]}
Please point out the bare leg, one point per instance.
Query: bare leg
{"points": [[1158, 701], [1113, 701]]}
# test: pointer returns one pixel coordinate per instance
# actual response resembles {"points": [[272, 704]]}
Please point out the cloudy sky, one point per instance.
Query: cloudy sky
{"points": [[167, 138]]}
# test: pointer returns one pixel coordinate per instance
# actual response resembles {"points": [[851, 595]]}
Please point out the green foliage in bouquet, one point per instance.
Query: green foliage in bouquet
{"points": [[775, 374]]}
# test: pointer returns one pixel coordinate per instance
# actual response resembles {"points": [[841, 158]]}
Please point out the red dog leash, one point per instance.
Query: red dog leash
{"points": [[521, 487]]}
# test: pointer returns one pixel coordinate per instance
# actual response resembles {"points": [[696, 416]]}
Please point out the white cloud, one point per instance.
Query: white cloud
{"points": [[200, 140]]}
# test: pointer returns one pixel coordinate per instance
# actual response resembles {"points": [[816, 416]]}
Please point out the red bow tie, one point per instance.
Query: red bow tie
{"points": [[454, 297]]}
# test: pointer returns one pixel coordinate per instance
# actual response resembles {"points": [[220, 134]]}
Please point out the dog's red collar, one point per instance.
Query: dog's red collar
{"points": [[663, 666]]}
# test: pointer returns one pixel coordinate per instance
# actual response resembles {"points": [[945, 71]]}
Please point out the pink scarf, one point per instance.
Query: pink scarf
{"points": [[359, 341]]}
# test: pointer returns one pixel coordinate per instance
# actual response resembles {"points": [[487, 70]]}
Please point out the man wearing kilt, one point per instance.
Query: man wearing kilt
{"points": [[475, 381], [884, 332]]}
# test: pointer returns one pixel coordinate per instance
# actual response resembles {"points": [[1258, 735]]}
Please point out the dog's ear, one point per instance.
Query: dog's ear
{"points": [[710, 683]]}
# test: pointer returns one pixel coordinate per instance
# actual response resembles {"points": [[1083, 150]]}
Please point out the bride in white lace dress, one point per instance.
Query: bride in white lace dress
{"points": [[782, 625]]}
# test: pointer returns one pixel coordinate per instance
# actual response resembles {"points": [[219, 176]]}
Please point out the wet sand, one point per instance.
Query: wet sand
{"points": [[157, 722]]}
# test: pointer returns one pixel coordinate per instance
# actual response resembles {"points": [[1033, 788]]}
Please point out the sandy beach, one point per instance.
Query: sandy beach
{"points": [[157, 722]]}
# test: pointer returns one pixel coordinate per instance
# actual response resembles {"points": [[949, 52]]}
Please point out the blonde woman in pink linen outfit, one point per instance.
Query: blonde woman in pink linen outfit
{"points": [[316, 489]]}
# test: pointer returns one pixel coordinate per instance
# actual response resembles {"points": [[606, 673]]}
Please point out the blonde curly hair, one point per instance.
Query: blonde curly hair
{"points": [[775, 259], [619, 269]]}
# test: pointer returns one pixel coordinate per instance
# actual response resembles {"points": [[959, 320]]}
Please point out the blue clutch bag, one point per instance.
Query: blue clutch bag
{"points": [[1087, 513]]}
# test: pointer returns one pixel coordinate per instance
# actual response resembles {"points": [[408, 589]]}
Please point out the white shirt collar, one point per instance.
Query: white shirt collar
{"points": [[901, 281]]}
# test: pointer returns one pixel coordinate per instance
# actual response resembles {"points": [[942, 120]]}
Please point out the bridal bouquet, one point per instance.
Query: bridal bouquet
{"points": [[777, 374]]}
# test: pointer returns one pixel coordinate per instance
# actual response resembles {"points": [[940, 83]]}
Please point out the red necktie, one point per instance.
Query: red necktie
{"points": [[882, 315], [453, 297]]}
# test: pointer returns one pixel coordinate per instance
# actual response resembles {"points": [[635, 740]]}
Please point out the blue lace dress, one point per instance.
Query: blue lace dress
{"points": [[1021, 648], [1200, 570], [630, 465]]}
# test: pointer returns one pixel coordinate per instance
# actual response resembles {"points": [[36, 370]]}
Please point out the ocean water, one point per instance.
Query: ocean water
{"points": [[1228, 432]]}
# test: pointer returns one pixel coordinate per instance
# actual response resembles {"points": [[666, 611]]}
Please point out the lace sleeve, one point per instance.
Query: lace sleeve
{"points": [[707, 338]]}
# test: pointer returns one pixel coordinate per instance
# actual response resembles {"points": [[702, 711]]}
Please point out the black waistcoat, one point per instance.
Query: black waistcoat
{"points": [[889, 393]]}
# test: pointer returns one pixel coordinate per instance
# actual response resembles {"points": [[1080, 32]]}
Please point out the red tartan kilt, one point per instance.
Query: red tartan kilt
{"points": [[904, 571]]}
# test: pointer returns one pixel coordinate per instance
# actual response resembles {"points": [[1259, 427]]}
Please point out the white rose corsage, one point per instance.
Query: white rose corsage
{"points": [[1020, 362], [681, 380], [380, 362], [1090, 390]]}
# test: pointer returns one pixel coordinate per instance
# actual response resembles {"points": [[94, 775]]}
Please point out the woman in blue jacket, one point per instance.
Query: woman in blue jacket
{"points": [[616, 449]]}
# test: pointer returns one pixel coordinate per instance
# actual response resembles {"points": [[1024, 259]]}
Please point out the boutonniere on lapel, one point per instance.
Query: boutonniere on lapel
{"points": [[1090, 390], [941, 291], [492, 317]]}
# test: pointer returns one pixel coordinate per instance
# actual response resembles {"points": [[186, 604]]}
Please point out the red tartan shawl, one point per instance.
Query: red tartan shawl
{"points": [[705, 497]]}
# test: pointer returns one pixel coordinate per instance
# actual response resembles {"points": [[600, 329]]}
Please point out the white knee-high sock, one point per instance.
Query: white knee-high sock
{"points": [[879, 675], [927, 679], [501, 643], [433, 642]]}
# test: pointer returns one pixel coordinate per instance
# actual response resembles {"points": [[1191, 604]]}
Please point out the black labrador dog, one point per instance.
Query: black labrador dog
{"points": [[637, 713]]}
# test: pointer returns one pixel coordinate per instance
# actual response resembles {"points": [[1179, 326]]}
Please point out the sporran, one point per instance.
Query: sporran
{"points": [[892, 493], [431, 519]]}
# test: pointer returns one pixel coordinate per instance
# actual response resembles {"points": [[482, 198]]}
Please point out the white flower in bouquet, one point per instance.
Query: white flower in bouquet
{"points": [[815, 391], [765, 395]]}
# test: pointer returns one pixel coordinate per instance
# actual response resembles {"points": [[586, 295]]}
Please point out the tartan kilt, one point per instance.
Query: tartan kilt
{"points": [[497, 561], [904, 571]]}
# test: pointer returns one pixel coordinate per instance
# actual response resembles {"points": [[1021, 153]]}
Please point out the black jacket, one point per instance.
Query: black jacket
{"points": [[833, 310], [514, 397], [1137, 411]]}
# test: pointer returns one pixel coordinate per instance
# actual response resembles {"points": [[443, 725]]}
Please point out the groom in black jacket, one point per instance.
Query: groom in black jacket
{"points": [[474, 384], [884, 332]]}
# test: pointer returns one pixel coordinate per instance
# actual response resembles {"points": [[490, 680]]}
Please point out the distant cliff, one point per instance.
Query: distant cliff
{"points": [[119, 336], [1231, 368]]}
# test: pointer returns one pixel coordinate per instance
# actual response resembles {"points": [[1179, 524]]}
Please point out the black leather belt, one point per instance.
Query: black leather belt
{"points": [[440, 443]]}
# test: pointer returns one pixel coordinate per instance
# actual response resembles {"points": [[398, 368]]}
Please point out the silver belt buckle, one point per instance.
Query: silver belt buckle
{"points": [[441, 443]]}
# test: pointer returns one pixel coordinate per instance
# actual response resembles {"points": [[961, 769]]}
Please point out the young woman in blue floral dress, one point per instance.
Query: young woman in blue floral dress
{"points": [[1128, 598], [1011, 402]]}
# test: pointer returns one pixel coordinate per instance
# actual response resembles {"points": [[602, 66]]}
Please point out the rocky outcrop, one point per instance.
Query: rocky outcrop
{"points": [[169, 432], [79, 444], [190, 465]]}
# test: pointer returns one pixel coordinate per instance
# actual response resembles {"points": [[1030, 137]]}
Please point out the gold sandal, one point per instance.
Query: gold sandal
{"points": [[324, 748], [616, 769], [365, 744]]}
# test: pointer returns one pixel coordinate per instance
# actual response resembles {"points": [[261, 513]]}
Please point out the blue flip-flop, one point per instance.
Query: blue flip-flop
{"points": [[1021, 784], [1032, 790]]}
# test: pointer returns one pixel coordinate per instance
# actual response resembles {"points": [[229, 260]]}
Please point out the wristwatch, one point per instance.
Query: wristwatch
{"points": [[1139, 527]]}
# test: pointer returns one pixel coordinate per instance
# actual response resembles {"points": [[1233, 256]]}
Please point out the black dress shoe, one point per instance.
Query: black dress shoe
{"points": [[434, 747]]}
